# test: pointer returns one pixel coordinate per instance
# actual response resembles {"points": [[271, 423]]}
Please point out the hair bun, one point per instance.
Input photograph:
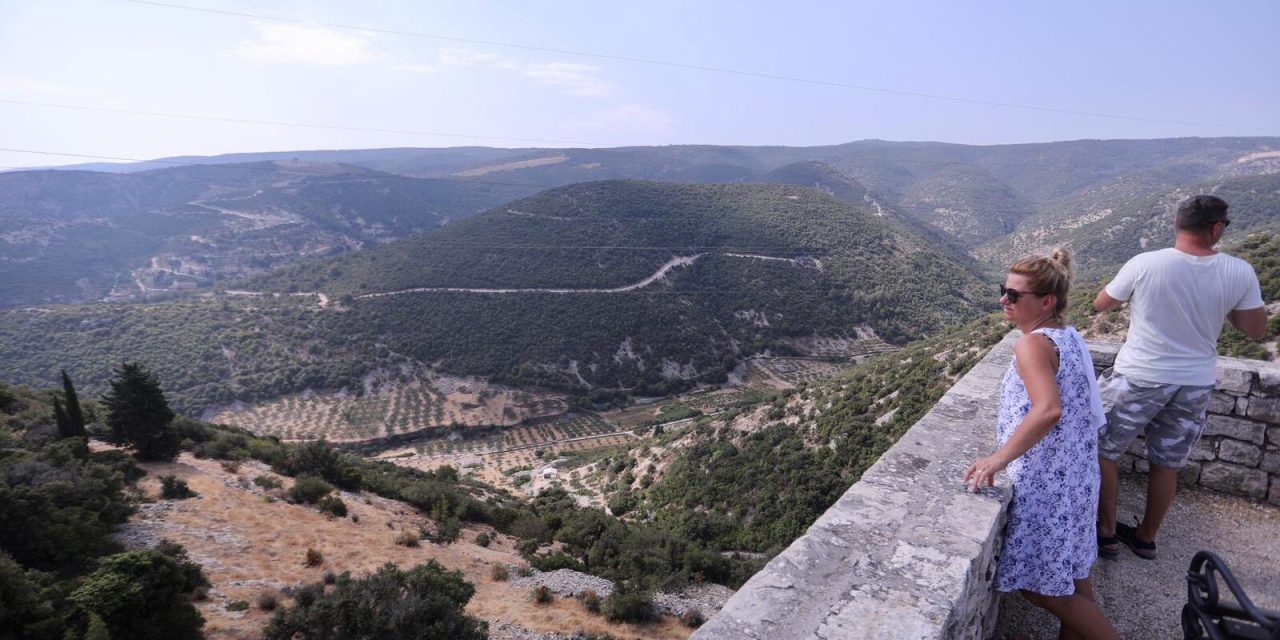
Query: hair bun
{"points": [[1063, 258]]}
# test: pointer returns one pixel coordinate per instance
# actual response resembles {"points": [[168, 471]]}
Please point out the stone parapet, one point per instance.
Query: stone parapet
{"points": [[907, 553]]}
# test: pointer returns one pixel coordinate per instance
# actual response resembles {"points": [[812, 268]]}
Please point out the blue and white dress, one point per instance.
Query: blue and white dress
{"points": [[1051, 536]]}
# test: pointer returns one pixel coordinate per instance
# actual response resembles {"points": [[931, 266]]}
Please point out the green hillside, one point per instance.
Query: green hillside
{"points": [[821, 267]]}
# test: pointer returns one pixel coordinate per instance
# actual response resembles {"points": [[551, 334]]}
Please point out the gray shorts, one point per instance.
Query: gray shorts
{"points": [[1172, 417]]}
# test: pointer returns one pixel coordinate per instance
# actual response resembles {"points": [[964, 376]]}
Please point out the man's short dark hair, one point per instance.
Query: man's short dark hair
{"points": [[1198, 213]]}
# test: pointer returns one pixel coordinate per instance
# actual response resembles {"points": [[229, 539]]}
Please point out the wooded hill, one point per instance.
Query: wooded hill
{"points": [[822, 267], [72, 236]]}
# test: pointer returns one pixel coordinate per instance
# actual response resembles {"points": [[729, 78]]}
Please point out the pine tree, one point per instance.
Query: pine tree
{"points": [[75, 417], [139, 415]]}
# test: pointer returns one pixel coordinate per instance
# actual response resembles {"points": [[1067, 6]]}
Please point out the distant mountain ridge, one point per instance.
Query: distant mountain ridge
{"points": [[983, 200]]}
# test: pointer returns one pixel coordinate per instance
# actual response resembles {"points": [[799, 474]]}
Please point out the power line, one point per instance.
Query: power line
{"points": [[698, 67]]}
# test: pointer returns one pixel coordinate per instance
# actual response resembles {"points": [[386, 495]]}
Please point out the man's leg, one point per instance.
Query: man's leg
{"points": [[1162, 484], [1173, 432], [1108, 496]]}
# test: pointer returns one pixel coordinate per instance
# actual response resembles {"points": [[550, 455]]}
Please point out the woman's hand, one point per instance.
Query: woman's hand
{"points": [[983, 472]]}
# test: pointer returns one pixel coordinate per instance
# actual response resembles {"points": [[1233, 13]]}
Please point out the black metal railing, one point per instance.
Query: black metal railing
{"points": [[1207, 616]]}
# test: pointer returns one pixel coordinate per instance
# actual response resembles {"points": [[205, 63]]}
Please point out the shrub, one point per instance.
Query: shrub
{"points": [[141, 594], [231, 466], [542, 594], [267, 482], [308, 489], [527, 547], [500, 573], [175, 488], [238, 605], [692, 618], [482, 539], [268, 601], [591, 600], [629, 605], [332, 505], [329, 577], [355, 517], [407, 539], [314, 558], [390, 604]]}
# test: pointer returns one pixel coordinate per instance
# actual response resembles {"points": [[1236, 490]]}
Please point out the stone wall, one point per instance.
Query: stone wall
{"points": [[906, 552], [1240, 451]]}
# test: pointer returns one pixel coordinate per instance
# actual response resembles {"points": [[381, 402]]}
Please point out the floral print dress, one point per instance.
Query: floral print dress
{"points": [[1051, 536]]}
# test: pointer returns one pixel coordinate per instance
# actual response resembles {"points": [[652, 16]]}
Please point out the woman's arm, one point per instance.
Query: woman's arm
{"points": [[1036, 362]]}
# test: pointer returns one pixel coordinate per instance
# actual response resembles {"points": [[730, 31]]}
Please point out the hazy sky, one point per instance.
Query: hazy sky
{"points": [[842, 71]]}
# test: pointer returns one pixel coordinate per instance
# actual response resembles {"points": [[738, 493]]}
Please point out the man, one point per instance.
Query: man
{"points": [[1164, 373]]}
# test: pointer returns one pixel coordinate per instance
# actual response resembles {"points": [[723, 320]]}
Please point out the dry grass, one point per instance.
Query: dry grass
{"points": [[250, 545]]}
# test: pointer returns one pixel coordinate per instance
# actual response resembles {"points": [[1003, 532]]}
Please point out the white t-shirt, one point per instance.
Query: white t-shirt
{"points": [[1177, 305]]}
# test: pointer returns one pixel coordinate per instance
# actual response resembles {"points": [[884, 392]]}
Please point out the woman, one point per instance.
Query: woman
{"points": [[1050, 412]]}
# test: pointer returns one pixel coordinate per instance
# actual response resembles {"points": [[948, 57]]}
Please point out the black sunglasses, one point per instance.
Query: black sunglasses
{"points": [[1012, 294]]}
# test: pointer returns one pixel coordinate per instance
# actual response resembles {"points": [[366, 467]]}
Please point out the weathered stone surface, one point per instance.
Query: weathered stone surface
{"points": [[1189, 474], [1234, 377], [1271, 462], [1268, 379], [1141, 465], [1221, 403], [1273, 436], [1242, 406], [1273, 496], [1104, 354], [1237, 428], [1238, 452], [906, 552], [1265, 409], [1234, 479], [1203, 450]]}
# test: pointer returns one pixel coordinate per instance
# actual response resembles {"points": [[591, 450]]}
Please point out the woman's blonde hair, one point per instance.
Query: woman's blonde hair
{"points": [[1048, 275]]}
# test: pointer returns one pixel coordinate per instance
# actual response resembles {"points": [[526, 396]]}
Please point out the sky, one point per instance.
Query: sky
{"points": [[84, 80]]}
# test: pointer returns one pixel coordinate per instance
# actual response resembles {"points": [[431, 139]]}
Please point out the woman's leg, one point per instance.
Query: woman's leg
{"points": [[1079, 614]]}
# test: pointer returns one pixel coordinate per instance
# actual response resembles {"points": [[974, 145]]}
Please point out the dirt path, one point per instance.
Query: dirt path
{"points": [[678, 261]]}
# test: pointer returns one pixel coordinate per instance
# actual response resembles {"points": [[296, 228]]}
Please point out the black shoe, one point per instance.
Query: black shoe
{"points": [[1141, 548]]}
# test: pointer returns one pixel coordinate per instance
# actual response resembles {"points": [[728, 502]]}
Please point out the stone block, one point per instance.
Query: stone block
{"points": [[1234, 479], [1204, 450], [1238, 452], [1221, 403], [1104, 354], [1265, 409], [1268, 380], [1246, 430], [1273, 436], [1141, 465], [1271, 462], [1234, 379], [1189, 474], [1273, 496], [1242, 406]]}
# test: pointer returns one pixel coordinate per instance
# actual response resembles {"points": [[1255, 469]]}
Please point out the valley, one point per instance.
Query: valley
{"points": [[645, 368]]}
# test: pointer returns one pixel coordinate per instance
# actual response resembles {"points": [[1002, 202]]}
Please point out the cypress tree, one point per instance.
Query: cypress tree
{"points": [[75, 417], [60, 419], [139, 415]]}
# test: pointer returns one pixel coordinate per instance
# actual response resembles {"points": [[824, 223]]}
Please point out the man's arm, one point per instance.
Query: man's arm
{"points": [[1104, 302], [1253, 322]]}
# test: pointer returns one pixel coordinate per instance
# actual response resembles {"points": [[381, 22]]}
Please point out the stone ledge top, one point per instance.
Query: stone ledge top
{"points": [[899, 550]]}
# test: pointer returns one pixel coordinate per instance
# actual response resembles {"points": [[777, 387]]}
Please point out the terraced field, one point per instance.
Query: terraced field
{"points": [[422, 403]]}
